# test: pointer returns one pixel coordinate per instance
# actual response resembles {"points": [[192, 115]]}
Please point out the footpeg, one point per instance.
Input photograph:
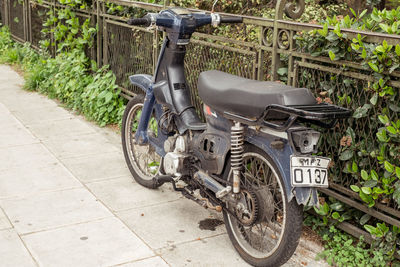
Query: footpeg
{"points": [[160, 180]]}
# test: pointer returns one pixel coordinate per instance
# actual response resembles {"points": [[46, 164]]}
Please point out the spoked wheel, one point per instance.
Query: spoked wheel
{"points": [[264, 227], [142, 160]]}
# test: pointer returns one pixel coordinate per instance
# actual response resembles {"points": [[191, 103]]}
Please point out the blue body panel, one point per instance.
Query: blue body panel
{"points": [[145, 82], [281, 158]]}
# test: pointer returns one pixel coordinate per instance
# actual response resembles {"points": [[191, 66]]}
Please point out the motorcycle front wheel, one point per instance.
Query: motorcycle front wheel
{"points": [[264, 227], [142, 160]]}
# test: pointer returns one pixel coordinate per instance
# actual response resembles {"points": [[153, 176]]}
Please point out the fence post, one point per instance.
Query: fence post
{"points": [[99, 33], [293, 11]]}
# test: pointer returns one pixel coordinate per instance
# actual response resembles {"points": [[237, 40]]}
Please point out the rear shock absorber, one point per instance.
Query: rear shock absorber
{"points": [[237, 140]]}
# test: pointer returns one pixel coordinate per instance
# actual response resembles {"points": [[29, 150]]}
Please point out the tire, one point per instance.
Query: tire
{"points": [[247, 239], [137, 157]]}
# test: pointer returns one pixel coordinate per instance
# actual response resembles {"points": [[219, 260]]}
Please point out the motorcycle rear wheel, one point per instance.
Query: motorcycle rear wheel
{"points": [[271, 238], [142, 160]]}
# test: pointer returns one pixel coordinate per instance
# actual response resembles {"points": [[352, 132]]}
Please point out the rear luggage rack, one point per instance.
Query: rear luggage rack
{"points": [[325, 115]]}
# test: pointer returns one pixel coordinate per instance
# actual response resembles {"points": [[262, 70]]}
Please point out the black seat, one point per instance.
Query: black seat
{"points": [[226, 92]]}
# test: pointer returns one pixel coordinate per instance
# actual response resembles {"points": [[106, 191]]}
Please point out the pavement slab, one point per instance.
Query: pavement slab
{"points": [[13, 133], [104, 242], [55, 209], [28, 156], [69, 127], [12, 251], [123, 194], [169, 223], [97, 167], [213, 251], [24, 181], [79, 146]]}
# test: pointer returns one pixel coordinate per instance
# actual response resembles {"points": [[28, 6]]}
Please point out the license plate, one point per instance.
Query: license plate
{"points": [[309, 171]]}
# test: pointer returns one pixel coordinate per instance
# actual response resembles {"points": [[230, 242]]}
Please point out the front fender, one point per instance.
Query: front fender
{"points": [[281, 158], [143, 81]]}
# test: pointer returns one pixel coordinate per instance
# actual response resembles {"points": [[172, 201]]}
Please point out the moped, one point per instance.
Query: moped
{"points": [[253, 157]]}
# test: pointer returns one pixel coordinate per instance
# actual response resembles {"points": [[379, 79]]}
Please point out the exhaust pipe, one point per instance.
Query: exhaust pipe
{"points": [[210, 183]]}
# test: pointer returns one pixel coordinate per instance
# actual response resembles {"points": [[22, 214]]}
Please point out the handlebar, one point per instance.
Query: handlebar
{"points": [[145, 21], [231, 20], [202, 19]]}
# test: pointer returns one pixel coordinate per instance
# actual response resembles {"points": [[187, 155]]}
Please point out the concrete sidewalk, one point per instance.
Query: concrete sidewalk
{"points": [[67, 198]]}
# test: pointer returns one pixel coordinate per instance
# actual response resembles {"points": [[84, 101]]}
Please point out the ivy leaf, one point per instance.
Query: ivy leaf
{"points": [[346, 155], [398, 172]]}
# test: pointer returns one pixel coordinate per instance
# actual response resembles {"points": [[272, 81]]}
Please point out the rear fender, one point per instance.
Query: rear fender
{"points": [[281, 158]]}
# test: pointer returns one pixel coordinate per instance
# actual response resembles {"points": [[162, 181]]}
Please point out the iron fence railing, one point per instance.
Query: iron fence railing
{"points": [[255, 49]]}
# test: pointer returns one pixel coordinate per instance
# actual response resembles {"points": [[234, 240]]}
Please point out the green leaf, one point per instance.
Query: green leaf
{"points": [[385, 27], [370, 183], [364, 53], [282, 71], [383, 119], [391, 129], [374, 99], [373, 66], [346, 155], [370, 228], [354, 167], [397, 49], [353, 12], [338, 206], [108, 97], [363, 13], [398, 172], [332, 55], [366, 190], [389, 167], [324, 31], [364, 175], [355, 188], [364, 219], [336, 215]]}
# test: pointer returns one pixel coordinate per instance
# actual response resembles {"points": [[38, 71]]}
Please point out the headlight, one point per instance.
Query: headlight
{"points": [[306, 141]]}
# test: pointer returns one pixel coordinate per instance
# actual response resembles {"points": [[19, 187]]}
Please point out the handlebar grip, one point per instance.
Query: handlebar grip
{"points": [[141, 21], [231, 20]]}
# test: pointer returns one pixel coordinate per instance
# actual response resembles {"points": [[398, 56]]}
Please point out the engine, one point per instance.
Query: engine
{"points": [[176, 157]]}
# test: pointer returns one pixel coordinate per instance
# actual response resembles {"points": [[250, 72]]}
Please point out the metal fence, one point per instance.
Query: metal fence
{"points": [[256, 49]]}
